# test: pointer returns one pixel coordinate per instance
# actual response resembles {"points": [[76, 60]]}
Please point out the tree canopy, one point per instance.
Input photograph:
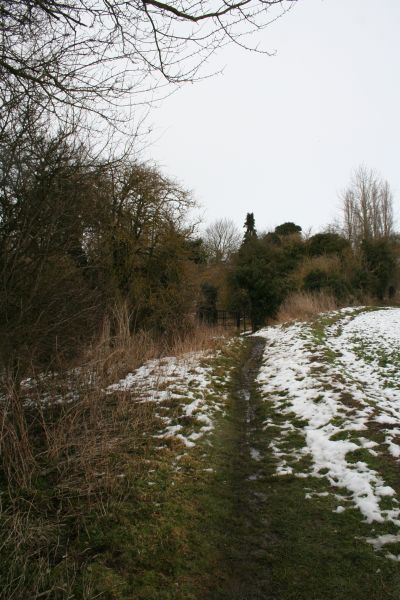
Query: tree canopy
{"points": [[288, 228]]}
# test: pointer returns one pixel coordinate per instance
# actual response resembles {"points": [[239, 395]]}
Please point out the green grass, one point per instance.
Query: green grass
{"points": [[315, 553], [213, 523], [168, 540]]}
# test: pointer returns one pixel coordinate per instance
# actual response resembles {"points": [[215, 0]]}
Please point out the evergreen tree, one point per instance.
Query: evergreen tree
{"points": [[379, 263], [250, 226], [256, 283], [288, 228], [327, 243]]}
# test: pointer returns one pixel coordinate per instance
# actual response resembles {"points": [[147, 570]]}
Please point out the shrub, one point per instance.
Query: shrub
{"points": [[379, 262], [327, 243], [288, 228], [318, 280]]}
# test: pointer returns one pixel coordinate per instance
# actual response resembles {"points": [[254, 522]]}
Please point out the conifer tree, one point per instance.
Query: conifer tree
{"points": [[256, 285], [250, 226]]}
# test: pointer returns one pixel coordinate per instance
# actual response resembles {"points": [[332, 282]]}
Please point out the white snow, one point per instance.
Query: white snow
{"points": [[337, 384], [182, 389], [382, 540], [255, 454]]}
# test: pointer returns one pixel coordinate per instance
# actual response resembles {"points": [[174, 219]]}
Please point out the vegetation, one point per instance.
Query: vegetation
{"points": [[256, 282], [100, 270], [221, 240], [271, 266], [103, 269], [223, 525], [79, 236], [88, 484]]}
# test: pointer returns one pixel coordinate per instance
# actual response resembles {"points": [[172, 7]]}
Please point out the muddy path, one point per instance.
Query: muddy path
{"points": [[247, 540]]}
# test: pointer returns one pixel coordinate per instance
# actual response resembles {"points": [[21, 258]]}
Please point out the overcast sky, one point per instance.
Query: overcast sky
{"points": [[281, 136]]}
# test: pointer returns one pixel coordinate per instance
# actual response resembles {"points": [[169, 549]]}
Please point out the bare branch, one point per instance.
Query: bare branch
{"points": [[98, 55], [367, 207]]}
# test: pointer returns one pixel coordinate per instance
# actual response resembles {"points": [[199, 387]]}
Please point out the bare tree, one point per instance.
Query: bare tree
{"points": [[79, 234], [103, 56], [367, 207], [221, 240], [386, 209]]}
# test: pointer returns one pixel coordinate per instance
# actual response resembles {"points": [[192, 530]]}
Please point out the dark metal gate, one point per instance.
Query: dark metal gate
{"points": [[224, 318]]}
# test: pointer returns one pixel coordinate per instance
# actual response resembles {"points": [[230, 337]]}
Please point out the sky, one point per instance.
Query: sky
{"points": [[280, 136]]}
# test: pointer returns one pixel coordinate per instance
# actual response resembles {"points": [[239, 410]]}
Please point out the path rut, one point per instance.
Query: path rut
{"points": [[249, 572]]}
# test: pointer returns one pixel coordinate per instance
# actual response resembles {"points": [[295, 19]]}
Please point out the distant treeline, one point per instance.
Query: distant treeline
{"points": [[356, 260], [80, 235], [269, 267]]}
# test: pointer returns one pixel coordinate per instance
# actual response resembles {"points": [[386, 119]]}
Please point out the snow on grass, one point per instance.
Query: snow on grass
{"points": [[331, 383], [183, 389], [255, 454]]}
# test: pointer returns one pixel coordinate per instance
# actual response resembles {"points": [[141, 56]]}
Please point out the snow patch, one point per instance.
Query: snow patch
{"points": [[330, 401]]}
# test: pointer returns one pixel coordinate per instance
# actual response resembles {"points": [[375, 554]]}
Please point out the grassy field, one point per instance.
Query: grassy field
{"points": [[334, 486], [267, 469]]}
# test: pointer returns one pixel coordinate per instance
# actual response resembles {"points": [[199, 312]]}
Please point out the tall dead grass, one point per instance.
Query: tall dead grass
{"points": [[66, 446], [302, 306], [118, 350]]}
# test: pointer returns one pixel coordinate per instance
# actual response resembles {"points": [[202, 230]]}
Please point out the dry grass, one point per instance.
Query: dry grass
{"points": [[60, 463], [66, 446], [114, 355], [62, 459], [302, 306], [200, 338]]}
